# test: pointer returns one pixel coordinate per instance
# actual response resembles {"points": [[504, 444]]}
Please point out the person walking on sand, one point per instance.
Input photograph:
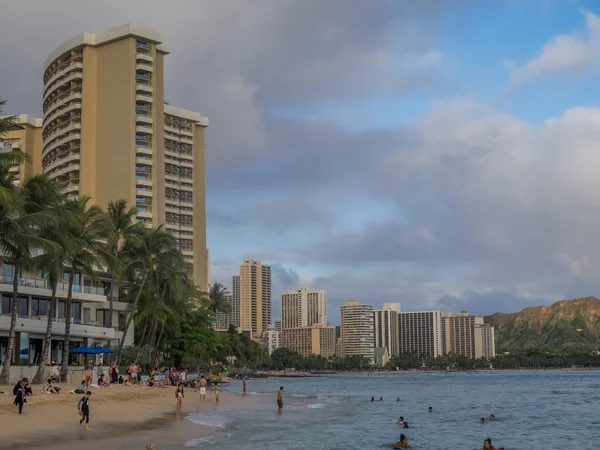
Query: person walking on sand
{"points": [[217, 390], [84, 409], [244, 387], [179, 395], [280, 400], [203, 387], [19, 393]]}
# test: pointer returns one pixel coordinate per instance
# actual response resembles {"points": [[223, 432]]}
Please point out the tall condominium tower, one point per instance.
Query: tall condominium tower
{"points": [[234, 317], [109, 134], [255, 297], [25, 135], [357, 330], [467, 335], [386, 328], [303, 308], [421, 333]]}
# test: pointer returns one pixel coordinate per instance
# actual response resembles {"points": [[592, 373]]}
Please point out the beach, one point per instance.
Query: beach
{"points": [[121, 417]]}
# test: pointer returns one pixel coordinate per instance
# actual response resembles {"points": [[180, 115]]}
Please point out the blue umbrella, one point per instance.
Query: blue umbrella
{"points": [[83, 351], [101, 350]]}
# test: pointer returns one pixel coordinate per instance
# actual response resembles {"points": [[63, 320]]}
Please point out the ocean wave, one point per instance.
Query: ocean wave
{"points": [[315, 406], [207, 440], [210, 420]]}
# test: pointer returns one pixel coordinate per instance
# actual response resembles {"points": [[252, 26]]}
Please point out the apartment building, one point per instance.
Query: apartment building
{"points": [[234, 317], [222, 320], [311, 340], [255, 297], [108, 133], [91, 325], [467, 335], [386, 328], [25, 135], [272, 339], [420, 333], [357, 330], [303, 308]]}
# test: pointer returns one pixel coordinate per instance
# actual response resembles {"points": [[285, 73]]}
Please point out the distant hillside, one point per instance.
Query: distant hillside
{"points": [[565, 324]]}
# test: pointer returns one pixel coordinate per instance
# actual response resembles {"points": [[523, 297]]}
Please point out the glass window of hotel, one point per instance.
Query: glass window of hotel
{"points": [[5, 306], [23, 306], [39, 306], [8, 270]]}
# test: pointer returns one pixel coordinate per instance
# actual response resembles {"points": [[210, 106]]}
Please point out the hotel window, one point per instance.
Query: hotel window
{"points": [[39, 306]]}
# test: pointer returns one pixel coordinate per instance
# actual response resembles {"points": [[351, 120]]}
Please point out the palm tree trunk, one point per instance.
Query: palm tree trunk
{"points": [[111, 299], [160, 336], [5, 375], [141, 342], [152, 337], [39, 376], [64, 368], [131, 313]]}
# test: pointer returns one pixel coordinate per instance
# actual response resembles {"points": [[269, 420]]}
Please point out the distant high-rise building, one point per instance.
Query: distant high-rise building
{"points": [[357, 330], [25, 135], [234, 318], [467, 335], [313, 340], [421, 333], [222, 320], [278, 326], [303, 308], [386, 328], [272, 339], [255, 297]]}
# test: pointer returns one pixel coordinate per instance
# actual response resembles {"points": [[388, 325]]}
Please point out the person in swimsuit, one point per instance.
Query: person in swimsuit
{"points": [[179, 395], [217, 391], [244, 387], [84, 409], [88, 372], [492, 417], [404, 424], [402, 443], [203, 384], [280, 400], [482, 420], [487, 445], [400, 420]]}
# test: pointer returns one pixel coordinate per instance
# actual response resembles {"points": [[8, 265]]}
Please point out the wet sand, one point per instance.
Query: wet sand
{"points": [[120, 418]]}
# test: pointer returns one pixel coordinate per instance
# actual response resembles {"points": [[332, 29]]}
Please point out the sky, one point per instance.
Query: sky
{"points": [[443, 155]]}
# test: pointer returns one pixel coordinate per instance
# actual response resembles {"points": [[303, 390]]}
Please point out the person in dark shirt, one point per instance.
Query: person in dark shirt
{"points": [[84, 409], [19, 393]]}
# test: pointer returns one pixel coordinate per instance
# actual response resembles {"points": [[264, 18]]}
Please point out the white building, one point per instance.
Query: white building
{"points": [[92, 324], [357, 330], [420, 333], [303, 308], [386, 328], [271, 339]]}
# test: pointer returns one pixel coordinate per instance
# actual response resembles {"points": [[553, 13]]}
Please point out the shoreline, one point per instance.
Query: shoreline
{"points": [[131, 416]]}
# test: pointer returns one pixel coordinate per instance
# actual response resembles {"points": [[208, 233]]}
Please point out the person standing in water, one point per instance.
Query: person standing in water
{"points": [[217, 391], [280, 400], [203, 387], [179, 395], [244, 387], [84, 409]]}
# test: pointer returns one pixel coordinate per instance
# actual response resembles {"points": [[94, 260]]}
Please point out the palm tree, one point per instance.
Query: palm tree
{"points": [[217, 299], [122, 227], [86, 230], [154, 250], [20, 223]]}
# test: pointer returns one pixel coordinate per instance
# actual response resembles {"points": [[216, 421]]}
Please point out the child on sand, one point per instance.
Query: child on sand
{"points": [[179, 395], [217, 391], [84, 409]]}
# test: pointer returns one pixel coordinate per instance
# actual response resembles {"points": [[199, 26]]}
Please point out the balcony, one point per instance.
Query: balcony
{"points": [[143, 129], [144, 57], [143, 138], [142, 107], [39, 287], [57, 143], [142, 159], [63, 82], [143, 98], [61, 102], [70, 66], [144, 66], [143, 88]]}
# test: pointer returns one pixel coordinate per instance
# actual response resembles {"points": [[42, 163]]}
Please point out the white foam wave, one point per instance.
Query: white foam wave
{"points": [[207, 439], [315, 406], [210, 420]]}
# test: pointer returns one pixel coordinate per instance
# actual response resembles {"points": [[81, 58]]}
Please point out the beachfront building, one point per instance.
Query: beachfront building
{"points": [[420, 333], [91, 320], [108, 133], [272, 339], [25, 135], [467, 335], [255, 297], [234, 316], [311, 340], [386, 328], [357, 330], [222, 320], [303, 308]]}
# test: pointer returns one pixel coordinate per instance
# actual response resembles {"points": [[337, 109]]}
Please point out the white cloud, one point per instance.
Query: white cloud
{"points": [[565, 54]]}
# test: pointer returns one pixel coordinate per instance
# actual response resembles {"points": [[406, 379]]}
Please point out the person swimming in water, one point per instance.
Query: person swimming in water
{"points": [[487, 445], [398, 400], [402, 443], [400, 420], [372, 399], [492, 417], [430, 409], [405, 424], [481, 420]]}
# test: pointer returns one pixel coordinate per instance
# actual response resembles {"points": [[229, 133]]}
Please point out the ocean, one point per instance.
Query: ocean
{"points": [[534, 410]]}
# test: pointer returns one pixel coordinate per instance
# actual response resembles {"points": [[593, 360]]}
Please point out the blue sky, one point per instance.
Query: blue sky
{"points": [[437, 154]]}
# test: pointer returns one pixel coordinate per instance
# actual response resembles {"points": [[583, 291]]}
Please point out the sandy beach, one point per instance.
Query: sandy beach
{"points": [[121, 417]]}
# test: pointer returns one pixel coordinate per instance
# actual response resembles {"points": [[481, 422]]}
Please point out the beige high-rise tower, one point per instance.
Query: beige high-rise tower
{"points": [[303, 308], [25, 135], [255, 297], [109, 134], [357, 330]]}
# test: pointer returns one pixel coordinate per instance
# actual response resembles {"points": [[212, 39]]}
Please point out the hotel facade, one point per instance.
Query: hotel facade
{"points": [[255, 297], [311, 340], [357, 330], [420, 333], [303, 308]]}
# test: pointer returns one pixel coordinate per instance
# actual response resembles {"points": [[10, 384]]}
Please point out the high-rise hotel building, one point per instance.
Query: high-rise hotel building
{"points": [[386, 328], [108, 133], [234, 317], [303, 308], [467, 335], [25, 135], [357, 330], [255, 297], [420, 333]]}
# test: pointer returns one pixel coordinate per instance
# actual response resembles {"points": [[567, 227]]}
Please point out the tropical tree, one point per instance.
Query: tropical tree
{"points": [[20, 223], [122, 227], [85, 233], [155, 250], [216, 300]]}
